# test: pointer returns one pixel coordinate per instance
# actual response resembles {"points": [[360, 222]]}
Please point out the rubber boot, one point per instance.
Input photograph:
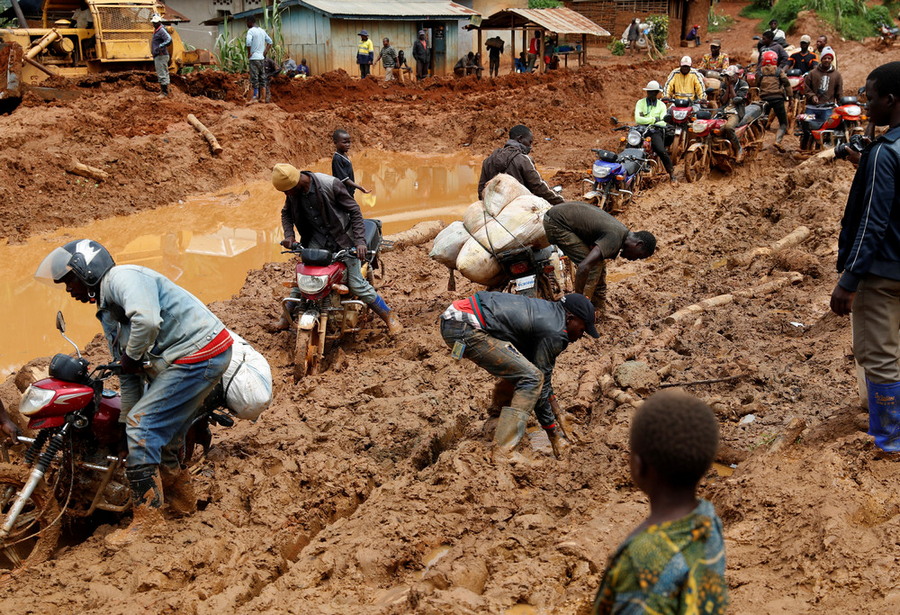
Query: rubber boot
{"points": [[146, 503], [779, 136], [884, 415], [284, 321], [559, 441], [178, 490], [163, 91], [255, 95], [509, 432], [268, 95], [501, 396], [387, 315]]}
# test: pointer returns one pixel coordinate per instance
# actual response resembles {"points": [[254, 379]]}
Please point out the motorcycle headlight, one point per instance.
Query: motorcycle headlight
{"points": [[680, 115], [852, 110], [634, 138], [34, 399], [311, 284], [601, 171]]}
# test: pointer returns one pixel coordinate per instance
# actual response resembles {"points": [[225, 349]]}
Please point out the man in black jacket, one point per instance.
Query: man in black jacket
{"points": [[517, 339], [513, 160], [328, 218], [869, 259], [421, 55]]}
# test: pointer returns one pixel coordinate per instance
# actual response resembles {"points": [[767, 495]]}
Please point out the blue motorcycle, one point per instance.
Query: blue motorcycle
{"points": [[616, 178]]}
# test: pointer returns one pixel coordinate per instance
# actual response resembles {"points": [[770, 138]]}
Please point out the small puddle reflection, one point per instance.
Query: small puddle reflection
{"points": [[723, 470], [210, 242], [522, 609]]}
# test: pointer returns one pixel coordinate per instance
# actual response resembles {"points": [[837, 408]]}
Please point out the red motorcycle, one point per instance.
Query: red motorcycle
{"points": [[680, 115], [828, 125], [322, 314], [76, 463], [711, 149]]}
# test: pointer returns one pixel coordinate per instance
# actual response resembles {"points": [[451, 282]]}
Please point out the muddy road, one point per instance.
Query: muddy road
{"points": [[369, 488]]}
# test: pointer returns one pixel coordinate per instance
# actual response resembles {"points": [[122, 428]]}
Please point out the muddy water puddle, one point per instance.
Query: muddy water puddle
{"points": [[209, 243]]}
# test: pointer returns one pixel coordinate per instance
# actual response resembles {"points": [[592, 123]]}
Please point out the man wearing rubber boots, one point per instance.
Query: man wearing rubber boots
{"points": [[327, 218], [172, 351], [589, 236], [869, 260], [517, 339]]}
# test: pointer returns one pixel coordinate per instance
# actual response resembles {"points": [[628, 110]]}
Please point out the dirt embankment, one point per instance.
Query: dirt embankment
{"points": [[368, 488]]}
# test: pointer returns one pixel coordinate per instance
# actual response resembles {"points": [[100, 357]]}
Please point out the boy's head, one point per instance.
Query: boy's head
{"points": [[674, 438], [883, 94], [341, 140]]}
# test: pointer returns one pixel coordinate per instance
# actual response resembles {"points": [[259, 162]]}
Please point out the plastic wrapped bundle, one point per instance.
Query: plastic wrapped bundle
{"points": [[499, 192], [448, 243]]}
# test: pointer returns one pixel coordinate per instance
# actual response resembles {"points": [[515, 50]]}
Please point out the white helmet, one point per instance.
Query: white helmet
{"points": [[687, 61], [156, 18], [652, 86]]}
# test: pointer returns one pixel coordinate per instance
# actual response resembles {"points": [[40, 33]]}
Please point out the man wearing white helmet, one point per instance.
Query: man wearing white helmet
{"points": [[159, 49], [685, 82], [650, 111]]}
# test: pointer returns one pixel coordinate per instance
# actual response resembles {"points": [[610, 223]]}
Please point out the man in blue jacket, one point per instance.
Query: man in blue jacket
{"points": [[172, 351], [869, 260], [517, 339]]}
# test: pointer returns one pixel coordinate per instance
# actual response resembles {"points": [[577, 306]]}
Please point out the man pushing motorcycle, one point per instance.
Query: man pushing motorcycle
{"points": [[172, 351], [328, 218]]}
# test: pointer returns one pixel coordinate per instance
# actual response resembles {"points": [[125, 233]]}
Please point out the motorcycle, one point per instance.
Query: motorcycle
{"points": [[533, 272], [75, 465], [323, 313], [711, 149], [887, 34], [616, 178], [828, 125], [793, 107], [680, 115]]}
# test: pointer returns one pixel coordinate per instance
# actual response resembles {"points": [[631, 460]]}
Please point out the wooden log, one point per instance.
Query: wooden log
{"points": [[696, 308], [203, 130], [417, 235], [792, 277], [795, 237], [77, 168]]}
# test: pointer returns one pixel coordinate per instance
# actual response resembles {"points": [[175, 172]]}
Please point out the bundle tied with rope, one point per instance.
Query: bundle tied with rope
{"points": [[509, 216]]}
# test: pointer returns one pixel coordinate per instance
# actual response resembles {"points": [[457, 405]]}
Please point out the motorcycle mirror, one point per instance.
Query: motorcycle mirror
{"points": [[861, 90], [756, 38], [557, 189], [60, 323], [615, 120]]}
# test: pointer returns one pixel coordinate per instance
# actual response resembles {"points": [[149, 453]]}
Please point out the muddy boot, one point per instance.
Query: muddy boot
{"points": [[163, 91], [559, 441], [268, 95], [509, 432], [283, 323], [387, 315], [146, 500], [178, 491], [778, 138], [739, 158]]}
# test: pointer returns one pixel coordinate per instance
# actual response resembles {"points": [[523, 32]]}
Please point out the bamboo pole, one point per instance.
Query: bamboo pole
{"points": [[203, 130], [77, 168]]}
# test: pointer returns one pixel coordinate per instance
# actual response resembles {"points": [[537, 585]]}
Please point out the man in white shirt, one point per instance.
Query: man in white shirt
{"points": [[258, 44]]}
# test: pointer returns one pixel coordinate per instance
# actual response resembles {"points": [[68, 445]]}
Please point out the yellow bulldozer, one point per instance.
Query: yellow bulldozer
{"points": [[73, 38]]}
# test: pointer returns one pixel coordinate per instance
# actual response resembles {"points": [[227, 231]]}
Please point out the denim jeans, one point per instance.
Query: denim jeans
{"points": [[503, 360], [164, 412], [161, 64]]}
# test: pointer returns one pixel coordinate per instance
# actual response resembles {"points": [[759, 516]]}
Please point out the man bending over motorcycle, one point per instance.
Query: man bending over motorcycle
{"points": [[327, 218], [589, 236], [172, 351], [517, 339], [650, 111]]}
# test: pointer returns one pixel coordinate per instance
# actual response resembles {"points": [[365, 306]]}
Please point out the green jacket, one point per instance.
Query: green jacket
{"points": [[644, 114]]}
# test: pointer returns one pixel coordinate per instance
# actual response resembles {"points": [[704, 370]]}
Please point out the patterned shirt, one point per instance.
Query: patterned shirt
{"points": [[718, 63], [677, 567]]}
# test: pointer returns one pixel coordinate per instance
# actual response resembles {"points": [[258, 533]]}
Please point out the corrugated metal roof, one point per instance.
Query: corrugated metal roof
{"points": [[380, 9], [559, 21]]}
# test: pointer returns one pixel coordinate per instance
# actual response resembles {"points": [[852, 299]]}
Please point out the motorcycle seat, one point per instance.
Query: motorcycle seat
{"points": [[848, 100], [633, 151], [372, 234], [752, 112], [543, 255], [631, 166]]}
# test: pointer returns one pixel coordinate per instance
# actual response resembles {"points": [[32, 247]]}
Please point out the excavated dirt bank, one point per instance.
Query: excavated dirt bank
{"points": [[369, 489]]}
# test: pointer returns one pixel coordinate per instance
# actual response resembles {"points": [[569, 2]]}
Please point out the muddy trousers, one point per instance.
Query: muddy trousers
{"points": [[576, 250], [258, 78], [161, 64], [658, 144], [876, 346], [157, 423], [728, 130], [503, 360], [777, 105], [494, 66]]}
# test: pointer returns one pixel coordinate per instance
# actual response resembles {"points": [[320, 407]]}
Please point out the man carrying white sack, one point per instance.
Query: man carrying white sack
{"points": [[513, 159]]}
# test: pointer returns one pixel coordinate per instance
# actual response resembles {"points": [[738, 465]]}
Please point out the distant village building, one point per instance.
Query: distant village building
{"points": [[615, 15], [325, 32]]}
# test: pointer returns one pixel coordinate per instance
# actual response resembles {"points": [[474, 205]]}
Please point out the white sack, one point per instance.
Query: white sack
{"points": [[448, 243], [247, 380], [499, 192], [477, 265]]}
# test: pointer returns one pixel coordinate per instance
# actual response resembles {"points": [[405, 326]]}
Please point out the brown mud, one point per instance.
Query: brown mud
{"points": [[369, 488]]}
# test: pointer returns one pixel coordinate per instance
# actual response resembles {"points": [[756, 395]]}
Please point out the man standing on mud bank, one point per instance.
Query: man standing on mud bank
{"points": [[513, 159], [328, 218], [172, 351], [388, 57], [589, 236], [258, 44], [517, 339], [420, 55], [159, 49], [869, 260], [365, 54]]}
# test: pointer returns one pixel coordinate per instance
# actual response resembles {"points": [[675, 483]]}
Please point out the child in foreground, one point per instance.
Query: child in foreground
{"points": [[673, 562]]}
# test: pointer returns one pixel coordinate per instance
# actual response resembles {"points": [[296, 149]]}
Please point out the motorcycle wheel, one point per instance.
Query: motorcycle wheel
{"points": [[39, 517], [306, 353], [695, 165]]}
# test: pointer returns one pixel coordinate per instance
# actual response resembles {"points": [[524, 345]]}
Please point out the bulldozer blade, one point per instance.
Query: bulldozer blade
{"points": [[10, 71], [53, 93]]}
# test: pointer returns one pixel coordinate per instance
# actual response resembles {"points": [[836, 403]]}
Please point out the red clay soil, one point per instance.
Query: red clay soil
{"points": [[369, 488]]}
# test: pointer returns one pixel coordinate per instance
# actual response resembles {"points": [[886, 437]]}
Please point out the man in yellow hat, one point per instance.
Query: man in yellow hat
{"points": [[328, 218]]}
